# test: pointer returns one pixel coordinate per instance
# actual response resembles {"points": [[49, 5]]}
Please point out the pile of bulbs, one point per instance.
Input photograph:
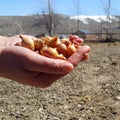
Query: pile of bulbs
{"points": [[52, 47]]}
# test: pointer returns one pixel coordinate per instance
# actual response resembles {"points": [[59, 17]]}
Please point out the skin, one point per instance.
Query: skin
{"points": [[27, 67]]}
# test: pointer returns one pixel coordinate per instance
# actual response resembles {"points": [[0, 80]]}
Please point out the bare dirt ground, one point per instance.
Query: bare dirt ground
{"points": [[90, 92]]}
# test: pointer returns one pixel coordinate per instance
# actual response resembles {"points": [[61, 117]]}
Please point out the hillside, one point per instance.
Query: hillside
{"points": [[33, 25]]}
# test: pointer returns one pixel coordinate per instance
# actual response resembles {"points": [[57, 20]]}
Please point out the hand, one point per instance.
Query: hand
{"points": [[27, 67]]}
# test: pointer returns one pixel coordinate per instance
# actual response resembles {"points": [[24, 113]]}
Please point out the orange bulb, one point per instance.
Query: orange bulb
{"points": [[51, 52], [70, 50], [52, 47], [27, 42], [62, 49], [38, 44]]}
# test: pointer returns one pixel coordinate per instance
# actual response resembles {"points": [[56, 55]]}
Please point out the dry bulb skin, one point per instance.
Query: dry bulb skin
{"points": [[28, 43], [52, 47]]}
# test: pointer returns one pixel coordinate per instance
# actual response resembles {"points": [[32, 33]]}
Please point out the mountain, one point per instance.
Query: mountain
{"points": [[34, 24], [99, 19], [96, 23]]}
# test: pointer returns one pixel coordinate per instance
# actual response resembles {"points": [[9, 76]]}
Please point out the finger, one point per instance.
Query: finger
{"points": [[78, 56], [85, 57], [44, 64]]}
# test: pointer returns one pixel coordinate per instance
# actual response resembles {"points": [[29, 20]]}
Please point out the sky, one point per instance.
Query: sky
{"points": [[66, 7]]}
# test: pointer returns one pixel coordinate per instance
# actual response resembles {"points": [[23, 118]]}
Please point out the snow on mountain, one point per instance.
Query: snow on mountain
{"points": [[85, 19]]}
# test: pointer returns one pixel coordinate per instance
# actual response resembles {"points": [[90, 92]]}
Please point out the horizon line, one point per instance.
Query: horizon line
{"points": [[56, 13]]}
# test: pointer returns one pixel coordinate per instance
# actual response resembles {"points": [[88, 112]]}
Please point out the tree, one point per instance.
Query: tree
{"points": [[77, 7], [107, 9], [50, 19]]}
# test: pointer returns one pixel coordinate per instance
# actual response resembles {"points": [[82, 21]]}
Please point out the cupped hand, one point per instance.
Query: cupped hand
{"points": [[30, 68]]}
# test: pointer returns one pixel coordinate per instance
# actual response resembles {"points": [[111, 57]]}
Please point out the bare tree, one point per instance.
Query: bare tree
{"points": [[107, 10], [50, 19], [20, 28], [78, 13], [77, 8]]}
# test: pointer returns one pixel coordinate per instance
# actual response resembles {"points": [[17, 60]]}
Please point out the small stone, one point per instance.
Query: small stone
{"points": [[117, 98]]}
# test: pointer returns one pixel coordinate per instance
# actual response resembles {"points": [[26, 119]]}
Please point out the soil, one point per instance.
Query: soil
{"points": [[90, 92]]}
